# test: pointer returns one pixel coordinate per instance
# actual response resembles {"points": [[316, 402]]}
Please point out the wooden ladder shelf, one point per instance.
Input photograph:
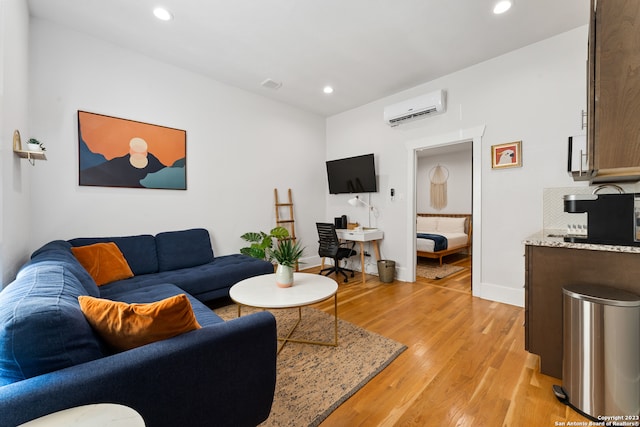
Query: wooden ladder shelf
{"points": [[287, 220]]}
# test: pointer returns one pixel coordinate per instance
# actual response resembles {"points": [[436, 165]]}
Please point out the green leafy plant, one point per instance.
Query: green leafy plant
{"points": [[261, 242], [286, 252]]}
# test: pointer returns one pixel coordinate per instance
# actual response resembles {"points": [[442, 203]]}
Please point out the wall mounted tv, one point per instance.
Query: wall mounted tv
{"points": [[352, 175]]}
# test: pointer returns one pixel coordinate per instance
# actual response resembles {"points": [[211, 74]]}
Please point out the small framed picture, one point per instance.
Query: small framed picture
{"points": [[506, 155]]}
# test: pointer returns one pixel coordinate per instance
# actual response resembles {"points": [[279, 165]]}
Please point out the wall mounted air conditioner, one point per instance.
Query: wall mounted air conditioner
{"points": [[415, 108]]}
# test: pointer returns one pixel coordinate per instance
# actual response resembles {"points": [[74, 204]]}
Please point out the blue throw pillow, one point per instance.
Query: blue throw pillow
{"points": [[183, 249], [42, 328]]}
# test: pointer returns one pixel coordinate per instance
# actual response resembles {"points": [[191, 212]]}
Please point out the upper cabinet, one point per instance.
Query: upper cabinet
{"points": [[613, 101]]}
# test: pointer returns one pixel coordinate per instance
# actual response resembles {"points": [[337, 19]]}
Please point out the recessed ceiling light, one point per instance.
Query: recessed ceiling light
{"points": [[162, 14], [502, 6], [327, 89]]}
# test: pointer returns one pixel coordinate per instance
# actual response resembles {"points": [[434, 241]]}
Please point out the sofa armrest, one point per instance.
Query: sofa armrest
{"points": [[223, 374]]}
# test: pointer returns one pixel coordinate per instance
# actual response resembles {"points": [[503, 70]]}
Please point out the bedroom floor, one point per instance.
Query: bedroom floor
{"points": [[460, 281]]}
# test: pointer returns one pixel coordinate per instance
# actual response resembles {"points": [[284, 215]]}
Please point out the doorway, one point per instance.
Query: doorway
{"points": [[473, 136], [443, 207]]}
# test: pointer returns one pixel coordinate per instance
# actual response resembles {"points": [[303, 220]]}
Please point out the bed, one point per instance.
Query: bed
{"points": [[432, 228]]}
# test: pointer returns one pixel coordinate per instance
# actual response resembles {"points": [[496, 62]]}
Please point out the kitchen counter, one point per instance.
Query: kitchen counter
{"points": [[555, 239], [550, 265]]}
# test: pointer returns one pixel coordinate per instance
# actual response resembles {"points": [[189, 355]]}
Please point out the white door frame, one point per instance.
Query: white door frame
{"points": [[463, 135]]}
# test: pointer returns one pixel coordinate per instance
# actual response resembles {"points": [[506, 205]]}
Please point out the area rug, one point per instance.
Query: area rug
{"points": [[431, 269], [312, 380]]}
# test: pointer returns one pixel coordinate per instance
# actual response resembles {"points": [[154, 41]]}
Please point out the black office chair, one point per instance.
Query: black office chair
{"points": [[331, 247]]}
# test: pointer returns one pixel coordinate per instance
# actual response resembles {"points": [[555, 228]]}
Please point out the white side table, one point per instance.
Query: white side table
{"points": [[96, 415]]}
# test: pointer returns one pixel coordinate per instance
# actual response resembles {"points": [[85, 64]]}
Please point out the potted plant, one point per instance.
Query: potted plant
{"points": [[35, 145], [261, 242], [286, 254]]}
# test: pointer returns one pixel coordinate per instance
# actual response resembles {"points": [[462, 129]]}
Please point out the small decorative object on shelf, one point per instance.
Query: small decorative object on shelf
{"points": [[31, 154], [35, 145]]}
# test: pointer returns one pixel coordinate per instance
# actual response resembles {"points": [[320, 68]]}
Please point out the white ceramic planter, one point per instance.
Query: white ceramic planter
{"points": [[33, 147], [284, 276]]}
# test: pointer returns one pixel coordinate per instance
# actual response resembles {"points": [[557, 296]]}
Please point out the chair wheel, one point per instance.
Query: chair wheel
{"points": [[352, 273], [346, 280]]}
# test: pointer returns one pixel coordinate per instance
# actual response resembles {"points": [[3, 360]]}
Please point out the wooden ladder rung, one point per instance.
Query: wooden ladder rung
{"points": [[288, 223]]}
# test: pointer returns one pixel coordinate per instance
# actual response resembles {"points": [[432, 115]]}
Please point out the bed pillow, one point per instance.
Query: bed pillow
{"points": [[125, 326], [104, 262], [426, 224], [451, 225]]}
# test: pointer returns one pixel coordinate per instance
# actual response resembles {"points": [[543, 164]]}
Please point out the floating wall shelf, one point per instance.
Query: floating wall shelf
{"points": [[32, 156]]}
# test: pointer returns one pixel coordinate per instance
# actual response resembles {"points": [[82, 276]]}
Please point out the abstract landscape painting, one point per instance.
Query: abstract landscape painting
{"points": [[118, 152]]}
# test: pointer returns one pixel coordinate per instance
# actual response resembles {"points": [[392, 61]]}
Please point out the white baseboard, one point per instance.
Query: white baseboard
{"points": [[498, 293], [488, 291]]}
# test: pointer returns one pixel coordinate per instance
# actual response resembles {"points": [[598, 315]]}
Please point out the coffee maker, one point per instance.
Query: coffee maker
{"points": [[612, 219]]}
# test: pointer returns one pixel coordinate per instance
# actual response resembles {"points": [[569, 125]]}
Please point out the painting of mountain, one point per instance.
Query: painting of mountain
{"points": [[118, 152]]}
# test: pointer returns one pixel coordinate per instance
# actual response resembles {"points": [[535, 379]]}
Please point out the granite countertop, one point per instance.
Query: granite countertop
{"points": [[555, 239]]}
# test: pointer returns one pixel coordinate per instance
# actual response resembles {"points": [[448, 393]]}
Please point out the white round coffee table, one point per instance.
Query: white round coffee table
{"points": [[307, 289], [99, 414]]}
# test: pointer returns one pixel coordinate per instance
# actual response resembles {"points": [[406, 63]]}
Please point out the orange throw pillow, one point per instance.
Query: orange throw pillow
{"points": [[125, 326], [104, 262]]}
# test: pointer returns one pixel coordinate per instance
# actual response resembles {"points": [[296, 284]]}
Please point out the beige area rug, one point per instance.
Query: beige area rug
{"points": [[313, 380], [431, 269]]}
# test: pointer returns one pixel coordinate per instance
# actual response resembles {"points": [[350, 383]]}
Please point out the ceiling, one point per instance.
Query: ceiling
{"points": [[365, 49]]}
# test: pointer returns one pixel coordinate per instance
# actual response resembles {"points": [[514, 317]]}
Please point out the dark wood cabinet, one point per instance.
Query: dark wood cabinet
{"points": [[613, 100], [548, 270]]}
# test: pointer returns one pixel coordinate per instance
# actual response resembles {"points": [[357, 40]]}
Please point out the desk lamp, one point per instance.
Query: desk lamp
{"points": [[354, 202]]}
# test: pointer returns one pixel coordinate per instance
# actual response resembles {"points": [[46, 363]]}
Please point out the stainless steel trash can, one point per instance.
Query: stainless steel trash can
{"points": [[601, 344], [386, 270]]}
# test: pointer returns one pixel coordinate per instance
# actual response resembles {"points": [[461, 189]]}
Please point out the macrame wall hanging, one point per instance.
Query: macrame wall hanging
{"points": [[438, 177]]}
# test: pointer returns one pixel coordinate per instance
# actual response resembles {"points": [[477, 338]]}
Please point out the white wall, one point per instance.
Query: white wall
{"points": [[534, 94], [239, 147], [459, 190], [14, 173]]}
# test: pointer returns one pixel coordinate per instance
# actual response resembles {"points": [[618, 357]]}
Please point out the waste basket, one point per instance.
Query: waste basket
{"points": [[386, 270], [601, 351]]}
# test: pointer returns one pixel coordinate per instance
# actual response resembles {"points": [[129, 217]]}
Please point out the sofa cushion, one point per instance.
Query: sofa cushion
{"points": [[205, 282], [42, 328], [125, 326], [156, 291], [104, 262], [139, 251], [183, 249], [58, 252]]}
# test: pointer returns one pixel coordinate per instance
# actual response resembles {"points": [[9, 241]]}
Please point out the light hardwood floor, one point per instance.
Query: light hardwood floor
{"points": [[465, 364]]}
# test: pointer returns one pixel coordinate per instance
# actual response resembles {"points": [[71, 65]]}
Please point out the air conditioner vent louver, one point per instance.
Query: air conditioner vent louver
{"points": [[413, 115], [416, 108]]}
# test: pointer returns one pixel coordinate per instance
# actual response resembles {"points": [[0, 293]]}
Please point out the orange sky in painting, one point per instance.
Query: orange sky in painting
{"points": [[110, 137]]}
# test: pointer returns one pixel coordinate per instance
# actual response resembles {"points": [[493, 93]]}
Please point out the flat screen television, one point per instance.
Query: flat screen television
{"points": [[352, 175]]}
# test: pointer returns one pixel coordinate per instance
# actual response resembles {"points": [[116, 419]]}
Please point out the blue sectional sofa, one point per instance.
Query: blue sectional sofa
{"points": [[51, 359]]}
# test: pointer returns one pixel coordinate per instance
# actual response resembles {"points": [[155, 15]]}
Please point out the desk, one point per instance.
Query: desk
{"points": [[362, 236]]}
